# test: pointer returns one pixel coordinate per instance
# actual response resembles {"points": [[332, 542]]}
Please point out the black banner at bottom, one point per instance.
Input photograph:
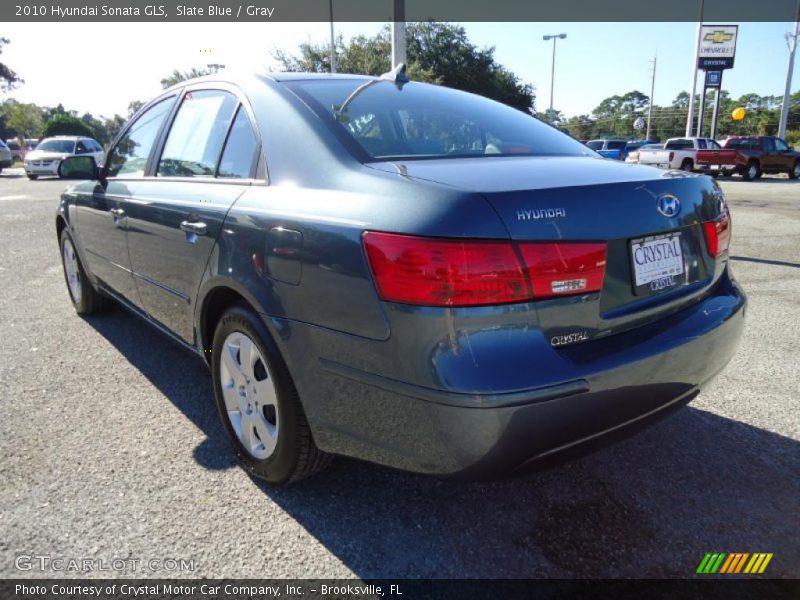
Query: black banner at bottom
{"points": [[399, 589]]}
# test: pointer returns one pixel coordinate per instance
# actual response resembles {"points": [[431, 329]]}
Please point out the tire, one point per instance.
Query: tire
{"points": [[269, 432], [687, 165], [751, 171], [33, 177], [85, 298], [794, 173]]}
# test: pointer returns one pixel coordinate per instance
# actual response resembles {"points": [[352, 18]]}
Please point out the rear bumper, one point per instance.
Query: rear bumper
{"points": [[613, 384]]}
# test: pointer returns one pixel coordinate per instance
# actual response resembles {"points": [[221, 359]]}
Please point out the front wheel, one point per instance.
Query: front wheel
{"points": [[85, 298], [258, 403], [795, 172], [33, 177]]}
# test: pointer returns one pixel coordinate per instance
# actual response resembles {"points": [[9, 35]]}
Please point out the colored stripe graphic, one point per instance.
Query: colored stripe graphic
{"points": [[734, 563], [758, 563], [711, 562]]}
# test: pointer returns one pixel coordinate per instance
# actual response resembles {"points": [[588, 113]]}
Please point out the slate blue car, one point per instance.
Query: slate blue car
{"points": [[402, 272]]}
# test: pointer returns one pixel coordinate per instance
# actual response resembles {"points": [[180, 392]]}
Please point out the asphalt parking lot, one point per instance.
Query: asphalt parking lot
{"points": [[110, 447]]}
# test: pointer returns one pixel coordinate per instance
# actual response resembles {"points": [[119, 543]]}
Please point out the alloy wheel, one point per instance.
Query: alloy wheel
{"points": [[72, 271], [251, 400]]}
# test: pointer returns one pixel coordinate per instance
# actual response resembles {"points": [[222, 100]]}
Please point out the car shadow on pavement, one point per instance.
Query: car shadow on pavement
{"points": [[649, 506], [766, 261]]}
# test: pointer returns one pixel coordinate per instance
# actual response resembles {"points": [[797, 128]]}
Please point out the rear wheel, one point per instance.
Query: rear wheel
{"points": [[32, 177], [794, 173], [752, 171], [258, 403], [687, 164], [85, 298]]}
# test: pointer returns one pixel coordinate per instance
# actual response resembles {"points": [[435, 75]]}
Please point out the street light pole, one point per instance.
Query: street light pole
{"points": [[650, 109], [556, 37], [690, 115], [398, 33], [333, 42], [788, 89]]}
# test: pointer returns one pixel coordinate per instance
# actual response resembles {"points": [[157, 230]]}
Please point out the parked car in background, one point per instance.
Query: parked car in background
{"points": [[402, 272], [609, 148], [750, 157], [633, 154], [49, 153], [18, 151], [676, 153], [6, 156]]}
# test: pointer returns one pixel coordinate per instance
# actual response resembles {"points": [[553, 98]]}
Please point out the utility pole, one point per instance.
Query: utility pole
{"points": [[555, 38], [652, 88], [333, 41], [690, 115], [398, 33], [792, 39]]}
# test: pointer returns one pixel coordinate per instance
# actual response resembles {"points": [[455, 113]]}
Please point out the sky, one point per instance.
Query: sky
{"points": [[595, 61]]}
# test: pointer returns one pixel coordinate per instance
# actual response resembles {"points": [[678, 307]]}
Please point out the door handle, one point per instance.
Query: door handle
{"points": [[196, 227], [117, 212]]}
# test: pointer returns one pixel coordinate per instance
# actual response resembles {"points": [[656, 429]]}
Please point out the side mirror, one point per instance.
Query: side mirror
{"points": [[78, 167]]}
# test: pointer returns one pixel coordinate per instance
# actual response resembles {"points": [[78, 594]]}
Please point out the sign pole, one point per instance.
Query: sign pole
{"points": [[715, 114], [702, 108]]}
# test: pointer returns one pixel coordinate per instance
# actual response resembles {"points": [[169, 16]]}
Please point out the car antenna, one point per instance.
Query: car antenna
{"points": [[397, 76]]}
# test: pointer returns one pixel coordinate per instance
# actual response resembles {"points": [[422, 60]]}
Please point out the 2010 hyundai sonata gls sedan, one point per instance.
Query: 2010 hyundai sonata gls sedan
{"points": [[401, 272]]}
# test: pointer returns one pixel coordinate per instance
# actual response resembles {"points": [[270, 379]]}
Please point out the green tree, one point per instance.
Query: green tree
{"points": [[24, 120], [436, 52], [66, 125], [177, 76], [8, 78]]}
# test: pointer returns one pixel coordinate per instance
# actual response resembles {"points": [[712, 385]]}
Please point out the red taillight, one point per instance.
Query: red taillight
{"points": [[671, 156], [435, 272], [718, 235], [449, 272], [556, 269]]}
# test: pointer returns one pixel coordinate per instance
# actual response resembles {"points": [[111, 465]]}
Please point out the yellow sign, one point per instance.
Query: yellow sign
{"points": [[738, 114]]}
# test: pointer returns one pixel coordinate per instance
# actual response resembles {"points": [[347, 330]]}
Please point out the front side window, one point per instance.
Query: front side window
{"points": [[595, 144], [197, 134], [240, 149], [81, 148], [422, 121], [713, 145], [701, 144], [781, 146], [616, 145], [129, 156]]}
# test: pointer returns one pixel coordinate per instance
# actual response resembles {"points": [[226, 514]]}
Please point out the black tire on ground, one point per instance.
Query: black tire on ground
{"points": [[687, 164], [751, 171], [91, 301], [32, 177], [794, 173], [296, 456]]}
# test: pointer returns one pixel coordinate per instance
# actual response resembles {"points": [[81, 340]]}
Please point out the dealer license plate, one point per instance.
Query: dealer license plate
{"points": [[657, 262]]}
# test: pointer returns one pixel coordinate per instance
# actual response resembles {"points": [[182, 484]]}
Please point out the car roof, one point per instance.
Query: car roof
{"points": [[292, 76]]}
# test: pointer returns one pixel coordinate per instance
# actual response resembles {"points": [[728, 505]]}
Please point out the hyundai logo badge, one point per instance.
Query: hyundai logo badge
{"points": [[669, 205]]}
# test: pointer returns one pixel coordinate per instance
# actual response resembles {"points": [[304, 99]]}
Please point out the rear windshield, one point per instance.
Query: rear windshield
{"points": [[67, 146], [427, 121], [679, 145]]}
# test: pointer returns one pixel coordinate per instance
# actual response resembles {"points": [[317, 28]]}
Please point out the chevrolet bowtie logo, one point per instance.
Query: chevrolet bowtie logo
{"points": [[718, 37]]}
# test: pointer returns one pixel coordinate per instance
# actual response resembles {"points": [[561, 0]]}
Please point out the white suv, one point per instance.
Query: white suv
{"points": [[46, 157]]}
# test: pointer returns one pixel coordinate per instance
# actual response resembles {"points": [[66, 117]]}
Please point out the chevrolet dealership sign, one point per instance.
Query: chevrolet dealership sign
{"points": [[717, 46]]}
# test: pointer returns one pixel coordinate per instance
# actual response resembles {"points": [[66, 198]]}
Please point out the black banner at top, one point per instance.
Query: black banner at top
{"points": [[383, 10]]}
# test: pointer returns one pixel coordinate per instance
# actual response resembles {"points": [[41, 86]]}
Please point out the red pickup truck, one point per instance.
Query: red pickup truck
{"points": [[750, 157]]}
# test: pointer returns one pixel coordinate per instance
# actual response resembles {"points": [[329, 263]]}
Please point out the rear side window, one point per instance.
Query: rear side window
{"points": [[769, 145], [701, 144], [240, 149], [595, 144], [129, 156], [197, 134]]}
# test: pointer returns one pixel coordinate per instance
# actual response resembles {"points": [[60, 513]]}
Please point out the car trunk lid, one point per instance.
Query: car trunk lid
{"points": [[575, 199]]}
